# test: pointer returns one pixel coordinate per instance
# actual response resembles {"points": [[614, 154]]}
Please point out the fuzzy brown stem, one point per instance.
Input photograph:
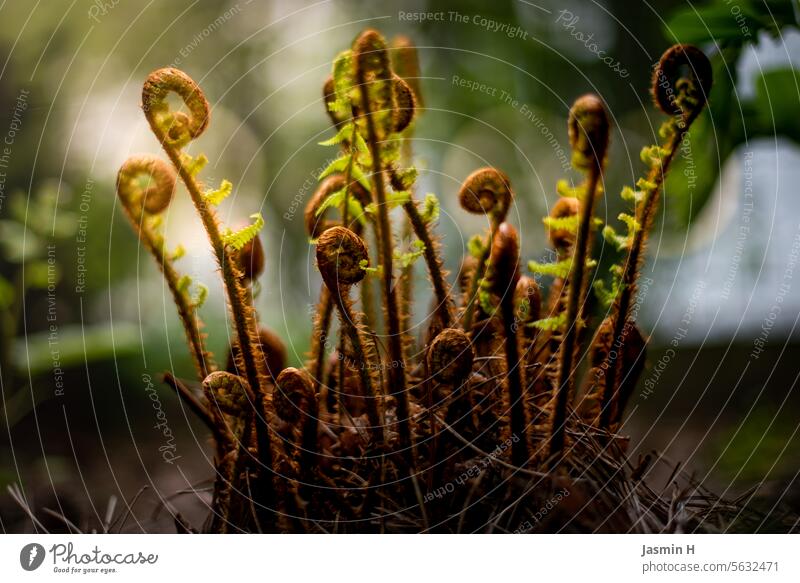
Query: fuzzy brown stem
{"points": [[243, 317], [519, 448], [631, 270], [434, 263], [203, 361], [348, 323], [574, 307], [397, 379]]}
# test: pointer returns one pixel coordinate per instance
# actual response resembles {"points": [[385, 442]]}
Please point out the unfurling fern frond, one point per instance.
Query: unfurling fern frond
{"points": [[215, 197], [240, 238]]}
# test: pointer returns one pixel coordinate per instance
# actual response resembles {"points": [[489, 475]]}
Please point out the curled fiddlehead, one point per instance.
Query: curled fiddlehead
{"points": [[450, 357], [682, 92], [146, 186], [486, 191], [341, 258], [175, 129], [295, 401], [681, 85]]}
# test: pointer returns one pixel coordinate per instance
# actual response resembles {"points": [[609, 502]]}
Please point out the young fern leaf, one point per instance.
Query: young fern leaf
{"points": [[336, 200], [200, 295], [566, 189], [340, 165], [430, 208], [215, 197], [407, 258], [393, 200], [569, 223], [240, 238], [193, 165], [551, 324]]}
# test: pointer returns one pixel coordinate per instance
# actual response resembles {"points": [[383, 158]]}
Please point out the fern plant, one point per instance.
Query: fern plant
{"points": [[474, 424]]}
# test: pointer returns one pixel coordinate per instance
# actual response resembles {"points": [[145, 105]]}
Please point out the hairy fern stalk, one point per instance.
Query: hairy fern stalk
{"points": [[484, 418]]}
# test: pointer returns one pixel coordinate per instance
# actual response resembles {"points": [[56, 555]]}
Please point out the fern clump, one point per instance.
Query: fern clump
{"points": [[473, 423]]}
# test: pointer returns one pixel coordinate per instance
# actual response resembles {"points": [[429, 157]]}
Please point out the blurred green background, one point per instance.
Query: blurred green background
{"points": [[86, 318]]}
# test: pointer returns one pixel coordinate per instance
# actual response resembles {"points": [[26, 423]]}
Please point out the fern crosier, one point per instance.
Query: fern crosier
{"points": [[680, 87], [174, 130], [145, 187]]}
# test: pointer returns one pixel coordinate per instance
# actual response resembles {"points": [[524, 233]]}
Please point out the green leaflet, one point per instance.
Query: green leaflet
{"points": [[200, 296], [364, 264], [343, 134], [569, 223], [430, 208], [215, 197], [630, 195], [485, 299], [340, 165], [564, 188], [183, 283], [346, 132], [336, 200], [342, 82], [406, 176], [476, 246], [622, 241], [393, 200], [193, 165], [551, 324], [240, 238], [179, 252], [606, 296], [652, 155], [559, 269], [407, 258], [646, 185]]}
